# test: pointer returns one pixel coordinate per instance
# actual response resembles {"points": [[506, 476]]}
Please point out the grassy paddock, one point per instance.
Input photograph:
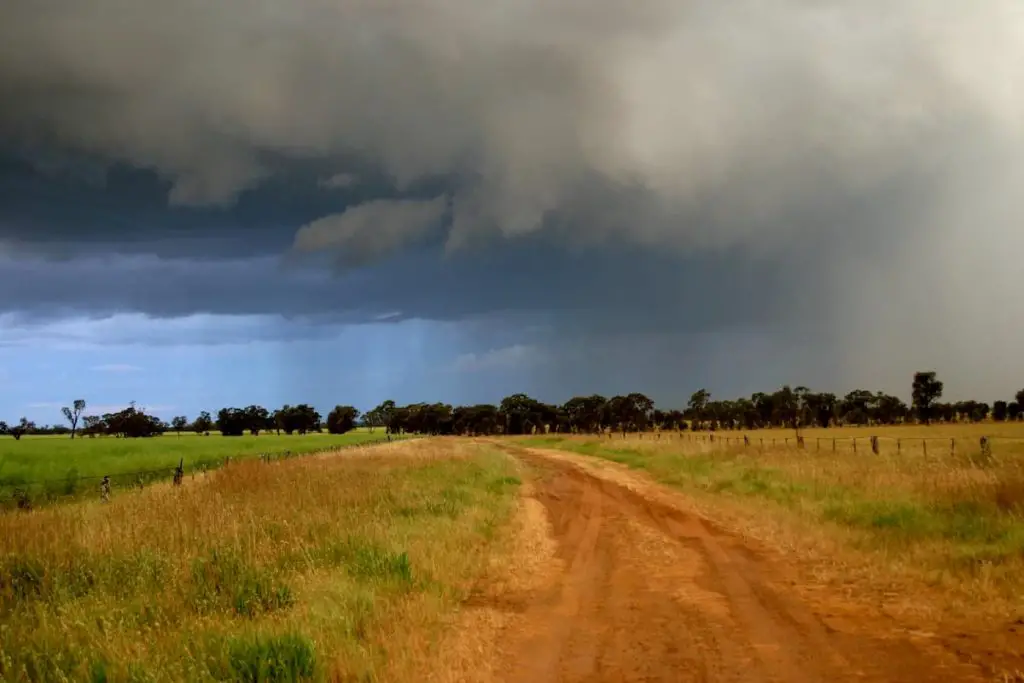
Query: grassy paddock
{"points": [[954, 517], [321, 568], [59, 461]]}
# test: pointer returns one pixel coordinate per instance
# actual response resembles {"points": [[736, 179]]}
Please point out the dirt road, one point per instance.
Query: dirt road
{"points": [[646, 592]]}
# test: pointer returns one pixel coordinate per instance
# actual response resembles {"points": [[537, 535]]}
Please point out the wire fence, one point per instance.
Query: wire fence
{"points": [[19, 493], [874, 444]]}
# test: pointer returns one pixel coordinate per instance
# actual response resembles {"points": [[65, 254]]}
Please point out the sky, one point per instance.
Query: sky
{"points": [[339, 201]]}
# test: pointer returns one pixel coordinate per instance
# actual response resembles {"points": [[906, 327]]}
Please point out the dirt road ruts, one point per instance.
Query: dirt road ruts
{"points": [[647, 592]]}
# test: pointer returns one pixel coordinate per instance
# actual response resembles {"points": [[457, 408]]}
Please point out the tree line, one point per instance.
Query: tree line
{"points": [[791, 407]]}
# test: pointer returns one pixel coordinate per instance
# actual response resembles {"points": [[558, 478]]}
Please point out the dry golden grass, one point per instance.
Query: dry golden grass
{"points": [[947, 520], [324, 568]]}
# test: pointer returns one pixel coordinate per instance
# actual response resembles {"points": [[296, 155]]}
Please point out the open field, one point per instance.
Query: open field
{"points": [[315, 568], [533, 559], [53, 460]]}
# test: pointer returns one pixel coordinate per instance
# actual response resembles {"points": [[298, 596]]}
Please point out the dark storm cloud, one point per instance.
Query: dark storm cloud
{"points": [[608, 289], [659, 165]]}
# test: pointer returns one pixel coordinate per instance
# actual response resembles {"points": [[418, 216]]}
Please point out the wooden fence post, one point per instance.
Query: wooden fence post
{"points": [[179, 472], [874, 445], [924, 446], [746, 440], [986, 448], [854, 444], [952, 446], [899, 446]]}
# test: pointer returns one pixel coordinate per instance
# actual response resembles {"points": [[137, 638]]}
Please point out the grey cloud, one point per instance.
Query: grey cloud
{"points": [[366, 232], [339, 181], [848, 169], [590, 290], [736, 106]]}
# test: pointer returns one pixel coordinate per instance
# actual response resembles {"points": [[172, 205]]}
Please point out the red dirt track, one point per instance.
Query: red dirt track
{"points": [[647, 592]]}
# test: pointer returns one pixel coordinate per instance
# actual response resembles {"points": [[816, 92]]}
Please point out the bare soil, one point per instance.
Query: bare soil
{"points": [[639, 589]]}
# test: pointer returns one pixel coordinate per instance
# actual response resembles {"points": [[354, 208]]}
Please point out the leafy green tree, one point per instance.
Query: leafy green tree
{"points": [[856, 407], [203, 424], [584, 413], [521, 413], [886, 409], [821, 408], [927, 389], [257, 418], [999, 411], [696, 407], [73, 413], [179, 423], [342, 419], [482, 419], [132, 423], [232, 421], [302, 418], [92, 425]]}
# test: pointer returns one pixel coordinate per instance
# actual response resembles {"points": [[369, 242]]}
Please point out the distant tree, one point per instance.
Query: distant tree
{"points": [[179, 424], [482, 419], [257, 418], [522, 414], [584, 413], [999, 411], [856, 407], [24, 426], [302, 418], [886, 409], [639, 409], [821, 409], [383, 415], [132, 423], [1014, 411], [696, 408], [926, 391], [373, 419], [203, 423], [71, 414], [1019, 397], [232, 421], [764, 405], [92, 425], [342, 419], [674, 420]]}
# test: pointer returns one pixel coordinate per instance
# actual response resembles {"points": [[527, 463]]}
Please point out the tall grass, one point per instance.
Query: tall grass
{"points": [[305, 569]]}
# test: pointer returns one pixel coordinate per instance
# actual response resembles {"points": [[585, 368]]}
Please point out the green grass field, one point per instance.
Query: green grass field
{"points": [[48, 461]]}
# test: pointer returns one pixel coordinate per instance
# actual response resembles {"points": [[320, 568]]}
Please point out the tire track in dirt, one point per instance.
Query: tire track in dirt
{"points": [[647, 592]]}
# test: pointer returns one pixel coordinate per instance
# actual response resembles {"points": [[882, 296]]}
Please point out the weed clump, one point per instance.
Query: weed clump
{"points": [[223, 580], [287, 658]]}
